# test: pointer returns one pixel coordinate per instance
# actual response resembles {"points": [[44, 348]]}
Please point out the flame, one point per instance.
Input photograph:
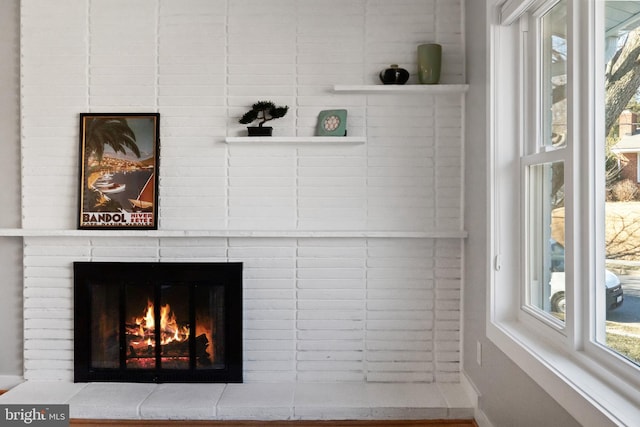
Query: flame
{"points": [[174, 351], [169, 329]]}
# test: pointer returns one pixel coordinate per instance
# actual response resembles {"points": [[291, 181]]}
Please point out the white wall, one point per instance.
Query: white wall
{"points": [[10, 248], [508, 397], [338, 308], [202, 63]]}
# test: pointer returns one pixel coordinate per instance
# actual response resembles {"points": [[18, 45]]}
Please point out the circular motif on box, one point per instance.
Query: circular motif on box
{"points": [[331, 122]]}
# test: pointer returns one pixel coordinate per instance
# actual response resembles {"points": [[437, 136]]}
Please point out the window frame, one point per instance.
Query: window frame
{"points": [[535, 152], [595, 385]]}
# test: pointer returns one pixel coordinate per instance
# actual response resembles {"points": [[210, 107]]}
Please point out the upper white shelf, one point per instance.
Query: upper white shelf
{"points": [[402, 89], [344, 140]]}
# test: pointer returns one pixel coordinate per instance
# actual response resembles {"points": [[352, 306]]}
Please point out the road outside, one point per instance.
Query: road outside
{"points": [[629, 311]]}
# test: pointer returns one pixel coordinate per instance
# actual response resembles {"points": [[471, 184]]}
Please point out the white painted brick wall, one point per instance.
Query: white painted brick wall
{"points": [[269, 277], [201, 64], [316, 309], [448, 277], [331, 309], [344, 309]]}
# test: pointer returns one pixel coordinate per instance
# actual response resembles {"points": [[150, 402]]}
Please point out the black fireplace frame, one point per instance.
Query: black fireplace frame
{"points": [[228, 275]]}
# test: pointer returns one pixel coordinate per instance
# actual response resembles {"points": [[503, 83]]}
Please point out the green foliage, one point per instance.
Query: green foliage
{"points": [[263, 111]]}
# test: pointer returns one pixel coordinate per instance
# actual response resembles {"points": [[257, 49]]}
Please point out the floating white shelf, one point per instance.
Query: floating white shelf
{"points": [[402, 89], [440, 234], [344, 140]]}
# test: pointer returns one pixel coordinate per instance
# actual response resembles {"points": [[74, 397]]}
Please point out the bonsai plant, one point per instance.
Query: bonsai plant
{"points": [[263, 111]]}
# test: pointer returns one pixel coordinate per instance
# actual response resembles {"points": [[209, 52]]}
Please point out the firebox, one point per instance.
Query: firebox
{"points": [[157, 322]]}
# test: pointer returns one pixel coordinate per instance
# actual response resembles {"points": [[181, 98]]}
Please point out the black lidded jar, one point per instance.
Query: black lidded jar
{"points": [[394, 75]]}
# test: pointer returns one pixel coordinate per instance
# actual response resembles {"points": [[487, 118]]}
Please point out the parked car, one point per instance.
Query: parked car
{"points": [[612, 285], [613, 289]]}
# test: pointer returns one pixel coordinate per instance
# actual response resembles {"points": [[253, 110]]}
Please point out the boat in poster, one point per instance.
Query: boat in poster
{"points": [[122, 199], [106, 185], [144, 201]]}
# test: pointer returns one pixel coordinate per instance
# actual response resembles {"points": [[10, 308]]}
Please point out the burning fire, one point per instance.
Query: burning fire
{"points": [[170, 331], [174, 340]]}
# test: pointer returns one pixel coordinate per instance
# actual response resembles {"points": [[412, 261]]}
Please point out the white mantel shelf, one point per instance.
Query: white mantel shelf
{"points": [[338, 140], [403, 89], [440, 234]]}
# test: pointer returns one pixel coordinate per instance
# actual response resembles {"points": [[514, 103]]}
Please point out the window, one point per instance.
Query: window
{"points": [[545, 237], [545, 138], [553, 287], [621, 225]]}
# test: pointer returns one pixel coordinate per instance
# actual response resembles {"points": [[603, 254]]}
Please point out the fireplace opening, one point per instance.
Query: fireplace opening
{"points": [[158, 322]]}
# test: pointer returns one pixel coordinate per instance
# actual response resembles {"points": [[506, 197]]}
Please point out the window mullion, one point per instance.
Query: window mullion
{"points": [[576, 140], [561, 154]]}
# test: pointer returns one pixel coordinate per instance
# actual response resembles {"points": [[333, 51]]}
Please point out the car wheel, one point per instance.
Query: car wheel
{"points": [[558, 302]]}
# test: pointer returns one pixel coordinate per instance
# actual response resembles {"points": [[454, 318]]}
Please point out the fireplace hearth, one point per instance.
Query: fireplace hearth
{"points": [[157, 322]]}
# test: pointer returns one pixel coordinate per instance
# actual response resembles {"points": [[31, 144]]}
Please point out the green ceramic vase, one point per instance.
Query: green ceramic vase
{"points": [[429, 63]]}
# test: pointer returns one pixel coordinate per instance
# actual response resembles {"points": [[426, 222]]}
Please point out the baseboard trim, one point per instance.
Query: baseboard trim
{"points": [[292, 423], [482, 419], [470, 388]]}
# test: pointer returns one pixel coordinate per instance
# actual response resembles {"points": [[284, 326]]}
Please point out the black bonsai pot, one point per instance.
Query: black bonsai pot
{"points": [[260, 130]]}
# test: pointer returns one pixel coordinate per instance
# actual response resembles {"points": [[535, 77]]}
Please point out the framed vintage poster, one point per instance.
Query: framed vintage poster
{"points": [[119, 159]]}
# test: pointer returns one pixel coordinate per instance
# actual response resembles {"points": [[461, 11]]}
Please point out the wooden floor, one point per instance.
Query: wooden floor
{"points": [[300, 423]]}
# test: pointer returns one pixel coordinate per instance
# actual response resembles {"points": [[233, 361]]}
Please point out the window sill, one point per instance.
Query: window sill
{"points": [[574, 380]]}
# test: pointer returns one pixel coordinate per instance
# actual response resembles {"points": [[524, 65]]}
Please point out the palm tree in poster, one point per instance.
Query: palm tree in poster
{"points": [[101, 132], [112, 131]]}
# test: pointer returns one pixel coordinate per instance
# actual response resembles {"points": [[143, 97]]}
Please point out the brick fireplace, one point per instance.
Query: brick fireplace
{"points": [[315, 308], [351, 253], [157, 322]]}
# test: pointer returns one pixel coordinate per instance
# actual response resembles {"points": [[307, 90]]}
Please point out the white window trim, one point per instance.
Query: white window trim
{"points": [[512, 9], [592, 384]]}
